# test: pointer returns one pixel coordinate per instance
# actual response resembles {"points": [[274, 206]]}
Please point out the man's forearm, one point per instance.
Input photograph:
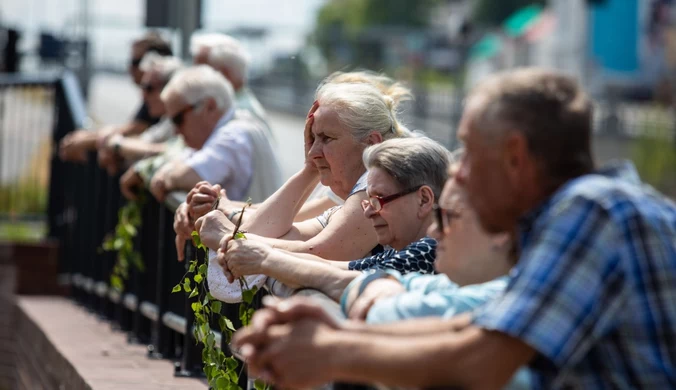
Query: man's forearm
{"points": [[448, 359], [181, 177], [136, 149]]}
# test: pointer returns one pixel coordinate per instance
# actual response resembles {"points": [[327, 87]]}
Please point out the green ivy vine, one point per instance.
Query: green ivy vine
{"points": [[122, 241], [221, 371]]}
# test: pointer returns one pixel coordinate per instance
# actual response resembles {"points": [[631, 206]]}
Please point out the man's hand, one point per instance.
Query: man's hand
{"points": [[108, 161], [242, 257], [298, 355], [158, 186], [213, 227], [74, 146], [130, 182], [375, 291], [183, 226], [201, 198]]}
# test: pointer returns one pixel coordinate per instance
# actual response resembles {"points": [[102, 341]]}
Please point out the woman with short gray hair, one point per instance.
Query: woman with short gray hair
{"points": [[400, 204]]}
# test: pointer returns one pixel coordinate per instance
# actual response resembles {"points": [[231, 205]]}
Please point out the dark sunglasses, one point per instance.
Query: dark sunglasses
{"points": [[149, 88], [178, 118], [377, 202], [444, 217]]}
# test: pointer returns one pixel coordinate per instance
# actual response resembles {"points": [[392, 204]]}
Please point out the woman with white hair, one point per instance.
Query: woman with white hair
{"points": [[345, 120], [405, 178]]}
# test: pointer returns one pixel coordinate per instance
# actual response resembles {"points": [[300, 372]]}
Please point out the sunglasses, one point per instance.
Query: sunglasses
{"points": [[149, 88], [178, 118], [444, 217], [377, 202]]}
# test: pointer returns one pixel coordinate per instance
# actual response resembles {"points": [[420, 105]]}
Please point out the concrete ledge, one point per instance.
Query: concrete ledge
{"points": [[61, 346]]}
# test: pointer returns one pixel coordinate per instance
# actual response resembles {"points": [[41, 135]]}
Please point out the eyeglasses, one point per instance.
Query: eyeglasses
{"points": [[444, 217], [377, 202], [178, 118]]}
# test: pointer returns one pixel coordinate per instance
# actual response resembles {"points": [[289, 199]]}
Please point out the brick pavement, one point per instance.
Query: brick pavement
{"points": [[86, 347]]}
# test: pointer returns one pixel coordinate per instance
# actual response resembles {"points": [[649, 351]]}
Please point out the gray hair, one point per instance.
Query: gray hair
{"points": [[197, 83], [412, 162], [365, 102], [550, 109], [231, 58], [208, 41], [164, 67]]}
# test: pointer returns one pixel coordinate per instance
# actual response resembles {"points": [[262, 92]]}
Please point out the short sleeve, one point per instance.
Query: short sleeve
{"points": [[568, 287], [228, 152], [416, 257], [360, 185], [434, 296]]}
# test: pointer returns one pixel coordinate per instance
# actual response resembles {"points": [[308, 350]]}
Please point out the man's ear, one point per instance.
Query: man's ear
{"points": [[374, 138], [210, 104], [515, 153]]}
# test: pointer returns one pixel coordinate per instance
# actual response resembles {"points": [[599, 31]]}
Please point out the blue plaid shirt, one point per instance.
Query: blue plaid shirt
{"points": [[594, 291]]}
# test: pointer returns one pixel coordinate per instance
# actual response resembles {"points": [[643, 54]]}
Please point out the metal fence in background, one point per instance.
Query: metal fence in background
{"points": [[28, 113]]}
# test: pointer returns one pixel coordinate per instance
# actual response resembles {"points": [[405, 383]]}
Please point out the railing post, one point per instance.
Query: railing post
{"points": [[160, 334], [191, 362]]}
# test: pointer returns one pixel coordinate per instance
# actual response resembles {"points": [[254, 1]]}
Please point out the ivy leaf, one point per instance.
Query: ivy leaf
{"points": [[192, 266], [247, 296], [216, 306], [130, 229], [221, 383], [202, 269], [186, 285], [211, 339], [198, 278], [118, 243], [197, 241], [196, 306], [260, 385], [176, 288], [239, 236], [194, 293]]}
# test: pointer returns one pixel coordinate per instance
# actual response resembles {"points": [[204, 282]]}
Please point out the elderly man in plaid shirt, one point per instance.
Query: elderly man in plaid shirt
{"points": [[592, 299]]}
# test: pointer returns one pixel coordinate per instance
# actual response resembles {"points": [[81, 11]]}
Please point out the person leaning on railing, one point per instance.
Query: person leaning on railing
{"points": [[202, 197], [591, 304], [404, 180], [223, 141], [116, 149], [345, 119], [75, 145]]}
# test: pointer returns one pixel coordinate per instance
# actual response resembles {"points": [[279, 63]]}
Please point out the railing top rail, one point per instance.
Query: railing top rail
{"points": [[28, 80]]}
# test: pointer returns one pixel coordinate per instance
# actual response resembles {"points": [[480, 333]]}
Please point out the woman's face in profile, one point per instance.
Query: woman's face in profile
{"points": [[465, 252]]}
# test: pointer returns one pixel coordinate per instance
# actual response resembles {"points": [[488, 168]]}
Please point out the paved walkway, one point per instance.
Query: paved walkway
{"points": [[101, 357]]}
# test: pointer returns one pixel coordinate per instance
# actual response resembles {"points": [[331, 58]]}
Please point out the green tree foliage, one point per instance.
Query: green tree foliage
{"points": [[340, 22]]}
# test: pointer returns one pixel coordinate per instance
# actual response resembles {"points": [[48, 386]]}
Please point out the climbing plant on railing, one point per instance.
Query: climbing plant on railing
{"points": [[221, 370], [122, 241]]}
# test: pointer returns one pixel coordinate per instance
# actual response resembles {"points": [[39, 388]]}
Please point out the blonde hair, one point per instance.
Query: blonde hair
{"points": [[365, 102], [197, 83]]}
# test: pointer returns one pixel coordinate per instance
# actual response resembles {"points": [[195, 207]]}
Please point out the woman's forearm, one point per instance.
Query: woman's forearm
{"points": [[296, 272], [275, 216]]}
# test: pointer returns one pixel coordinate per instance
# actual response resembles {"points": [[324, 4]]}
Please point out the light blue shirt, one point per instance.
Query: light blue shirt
{"points": [[438, 296]]}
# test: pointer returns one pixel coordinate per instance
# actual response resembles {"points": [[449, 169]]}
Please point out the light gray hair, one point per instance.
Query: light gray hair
{"points": [[164, 67], [208, 41], [231, 58], [412, 162], [197, 83], [365, 102]]}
